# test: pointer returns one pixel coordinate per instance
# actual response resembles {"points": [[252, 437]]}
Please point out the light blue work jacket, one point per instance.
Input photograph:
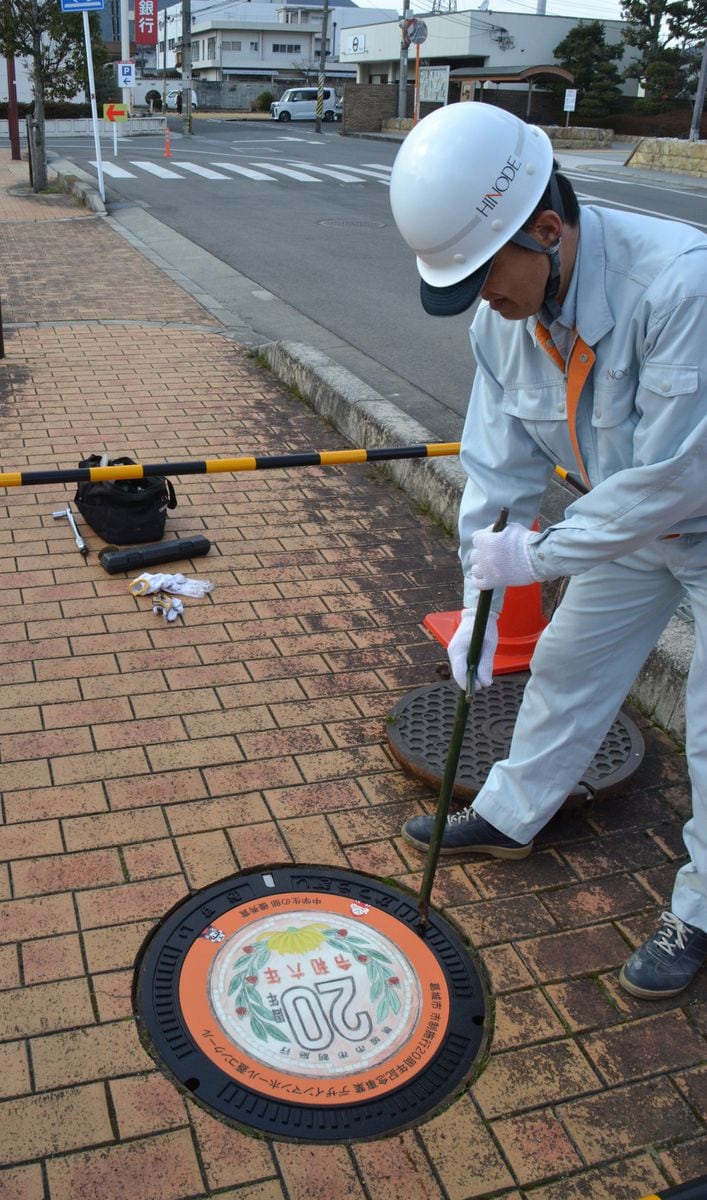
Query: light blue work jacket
{"points": [[641, 418]]}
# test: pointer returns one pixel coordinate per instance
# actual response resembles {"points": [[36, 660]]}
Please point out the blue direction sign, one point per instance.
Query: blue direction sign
{"points": [[77, 6]]}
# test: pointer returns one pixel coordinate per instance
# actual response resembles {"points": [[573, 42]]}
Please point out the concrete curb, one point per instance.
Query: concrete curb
{"points": [[79, 183], [367, 419]]}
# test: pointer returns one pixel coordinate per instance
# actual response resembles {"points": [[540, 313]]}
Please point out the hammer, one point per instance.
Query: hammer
{"points": [[66, 512]]}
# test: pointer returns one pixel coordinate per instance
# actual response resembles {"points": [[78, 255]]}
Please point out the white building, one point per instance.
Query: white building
{"points": [[257, 39], [470, 39]]}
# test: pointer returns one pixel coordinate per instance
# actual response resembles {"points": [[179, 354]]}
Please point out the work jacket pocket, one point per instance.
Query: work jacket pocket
{"points": [[667, 379], [614, 402], [536, 402]]}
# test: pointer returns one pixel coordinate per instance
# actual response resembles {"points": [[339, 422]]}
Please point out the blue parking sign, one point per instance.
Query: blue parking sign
{"points": [[77, 6]]}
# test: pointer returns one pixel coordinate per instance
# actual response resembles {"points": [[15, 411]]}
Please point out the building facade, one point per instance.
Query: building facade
{"points": [[507, 42]]}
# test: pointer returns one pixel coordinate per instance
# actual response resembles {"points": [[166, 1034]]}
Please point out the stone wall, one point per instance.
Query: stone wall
{"points": [[671, 154], [562, 138], [578, 137]]}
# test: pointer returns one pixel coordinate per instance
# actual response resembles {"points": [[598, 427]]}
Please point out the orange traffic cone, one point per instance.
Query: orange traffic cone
{"points": [[519, 626], [167, 150]]}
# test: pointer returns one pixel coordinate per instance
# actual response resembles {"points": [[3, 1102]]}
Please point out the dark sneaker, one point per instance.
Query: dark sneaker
{"points": [[465, 832], [667, 962]]}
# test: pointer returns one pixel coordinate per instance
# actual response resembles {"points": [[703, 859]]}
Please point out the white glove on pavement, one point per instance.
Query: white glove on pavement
{"points": [[458, 649], [501, 559], [170, 607], [179, 585]]}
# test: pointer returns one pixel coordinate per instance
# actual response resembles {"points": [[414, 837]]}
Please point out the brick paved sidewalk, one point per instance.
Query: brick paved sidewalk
{"points": [[140, 760]]}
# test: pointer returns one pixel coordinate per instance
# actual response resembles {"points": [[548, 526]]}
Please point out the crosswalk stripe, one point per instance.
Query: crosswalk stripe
{"points": [[361, 171], [379, 167], [340, 175], [199, 170], [110, 168], [247, 171], [155, 169], [289, 172]]}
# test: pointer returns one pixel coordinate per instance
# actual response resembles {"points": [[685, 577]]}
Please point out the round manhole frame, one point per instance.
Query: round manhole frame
{"points": [[506, 691], [452, 1055], [342, 223]]}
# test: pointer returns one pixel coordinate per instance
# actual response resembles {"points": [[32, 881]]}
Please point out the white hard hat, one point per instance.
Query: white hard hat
{"points": [[465, 180]]}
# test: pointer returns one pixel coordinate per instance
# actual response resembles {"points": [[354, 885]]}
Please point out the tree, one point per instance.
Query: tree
{"points": [[53, 42], [646, 31], [586, 54], [668, 35]]}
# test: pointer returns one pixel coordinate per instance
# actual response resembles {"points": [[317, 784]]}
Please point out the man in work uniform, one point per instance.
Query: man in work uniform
{"points": [[591, 349]]}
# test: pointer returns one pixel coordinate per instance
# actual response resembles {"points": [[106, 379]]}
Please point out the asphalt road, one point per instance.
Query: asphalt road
{"points": [[305, 218]]}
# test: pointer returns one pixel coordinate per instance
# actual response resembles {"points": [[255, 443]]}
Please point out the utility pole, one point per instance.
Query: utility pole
{"points": [[164, 66], [186, 66], [403, 73], [322, 69], [699, 98], [125, 45]]}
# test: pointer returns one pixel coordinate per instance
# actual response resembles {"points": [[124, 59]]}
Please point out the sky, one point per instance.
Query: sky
{"points": [[596, 10]]}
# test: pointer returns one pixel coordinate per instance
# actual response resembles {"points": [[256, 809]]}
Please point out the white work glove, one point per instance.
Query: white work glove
{"points": [[501, 559], [179, 585], [170, 607], [458, 649]]}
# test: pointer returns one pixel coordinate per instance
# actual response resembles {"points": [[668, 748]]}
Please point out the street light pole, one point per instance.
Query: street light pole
{"points": [[403, 73], [13, 120]]}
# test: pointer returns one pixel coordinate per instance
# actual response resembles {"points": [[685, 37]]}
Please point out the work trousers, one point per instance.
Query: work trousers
{"points": [[583, 666]]}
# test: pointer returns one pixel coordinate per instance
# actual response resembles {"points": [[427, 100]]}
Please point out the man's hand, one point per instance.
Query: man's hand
{"points": [[458, 649], [501, 559]]}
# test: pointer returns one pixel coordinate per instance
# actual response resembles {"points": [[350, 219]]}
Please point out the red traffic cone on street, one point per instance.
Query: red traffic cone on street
{"points": [[167, 150]]}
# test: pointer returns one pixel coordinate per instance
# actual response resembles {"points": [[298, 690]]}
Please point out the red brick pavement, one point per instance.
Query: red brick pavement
{"points": [[140, 760]]}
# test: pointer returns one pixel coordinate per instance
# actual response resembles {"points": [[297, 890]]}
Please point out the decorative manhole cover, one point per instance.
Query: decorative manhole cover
{"points": [[306, 1003], [421, 725]]}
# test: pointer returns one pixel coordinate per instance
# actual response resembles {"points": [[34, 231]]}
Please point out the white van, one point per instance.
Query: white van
{"points": [[300, 104], [171, 99]]}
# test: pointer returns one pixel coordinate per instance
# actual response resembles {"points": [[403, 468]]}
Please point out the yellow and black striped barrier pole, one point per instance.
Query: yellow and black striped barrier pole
{"points": [[696, 1189], [213, 466]]}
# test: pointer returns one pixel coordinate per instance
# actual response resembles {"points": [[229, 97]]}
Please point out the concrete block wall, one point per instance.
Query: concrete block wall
{"points": [[368, 105]]}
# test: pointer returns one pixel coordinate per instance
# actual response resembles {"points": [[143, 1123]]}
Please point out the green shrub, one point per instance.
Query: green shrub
{"points": [[263, 102]]}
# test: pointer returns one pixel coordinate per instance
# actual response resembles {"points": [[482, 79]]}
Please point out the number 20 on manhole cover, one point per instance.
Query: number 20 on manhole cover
{"points": [[306, 1003]]}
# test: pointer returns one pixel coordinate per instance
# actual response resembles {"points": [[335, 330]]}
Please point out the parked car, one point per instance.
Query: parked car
{"points": [[171, 99], [300, 104]]}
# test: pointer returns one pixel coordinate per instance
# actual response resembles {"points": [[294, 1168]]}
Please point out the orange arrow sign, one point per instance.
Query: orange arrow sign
{"points": [[115, 112]]}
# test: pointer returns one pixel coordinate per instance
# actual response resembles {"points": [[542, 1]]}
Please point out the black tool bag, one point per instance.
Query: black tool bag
{"points": [[125, 511]]}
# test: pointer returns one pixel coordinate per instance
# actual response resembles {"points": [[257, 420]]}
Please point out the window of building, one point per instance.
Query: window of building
{"points": [[196, 51], [211, 48], [287, 48], [231, 45]]}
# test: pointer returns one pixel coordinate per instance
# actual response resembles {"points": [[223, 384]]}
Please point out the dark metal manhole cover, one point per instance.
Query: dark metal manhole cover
{"points": [[305, 1003], [421, 728]]}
